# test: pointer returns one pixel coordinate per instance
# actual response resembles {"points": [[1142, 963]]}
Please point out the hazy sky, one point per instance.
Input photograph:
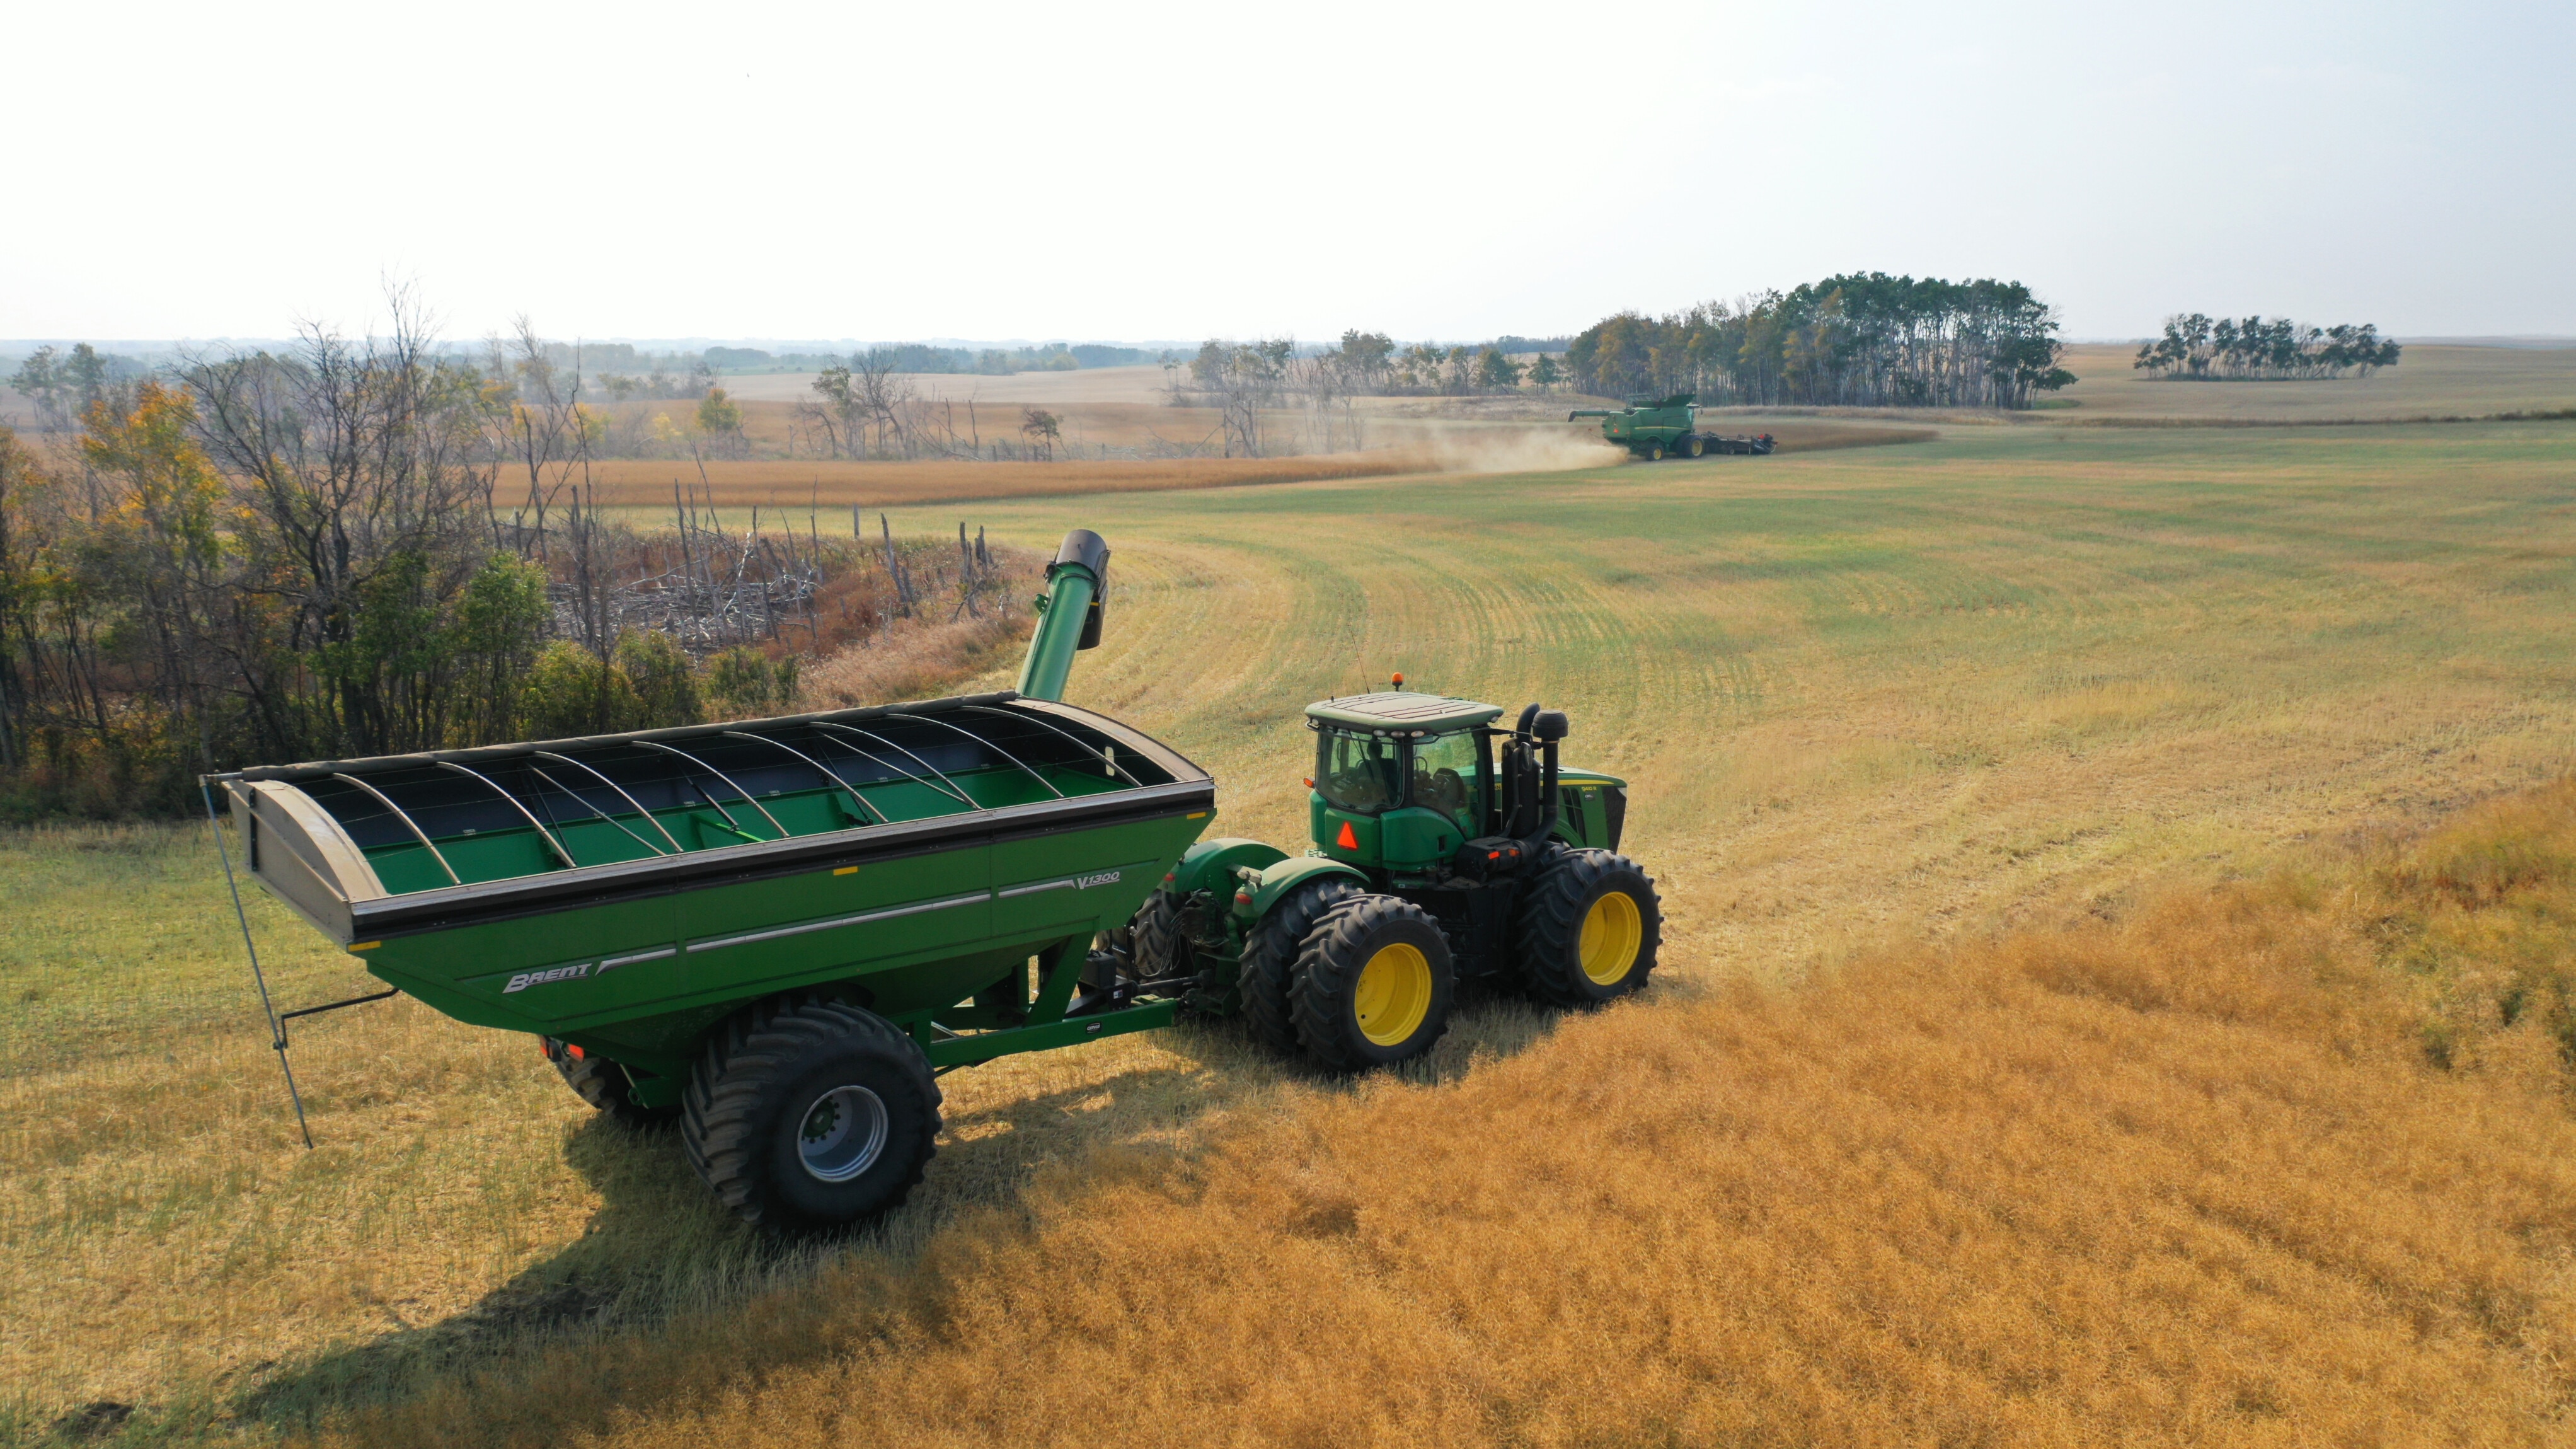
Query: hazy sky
{"points": [[1081, 171]]}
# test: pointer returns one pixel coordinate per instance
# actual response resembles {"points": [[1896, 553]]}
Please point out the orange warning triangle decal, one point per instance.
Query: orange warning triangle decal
{"points": [[1346, 840]]}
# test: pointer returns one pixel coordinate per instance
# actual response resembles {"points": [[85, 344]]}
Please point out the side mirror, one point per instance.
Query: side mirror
{"points": [[1550, 725]]}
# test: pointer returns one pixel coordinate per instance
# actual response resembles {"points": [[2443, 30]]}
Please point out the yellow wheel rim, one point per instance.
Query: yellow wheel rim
{"points": [[1394, 995], [1612, 931]]}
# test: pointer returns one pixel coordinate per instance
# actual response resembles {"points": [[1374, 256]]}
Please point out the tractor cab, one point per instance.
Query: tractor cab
{"points": [[1405, 781]]}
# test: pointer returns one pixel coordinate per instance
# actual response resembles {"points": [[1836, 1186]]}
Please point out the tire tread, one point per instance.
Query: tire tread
{"points": [[1549, 923], [720, 1126]]}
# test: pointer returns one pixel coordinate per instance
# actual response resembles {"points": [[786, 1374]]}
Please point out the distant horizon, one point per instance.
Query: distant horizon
{"points": [[21, 346]]}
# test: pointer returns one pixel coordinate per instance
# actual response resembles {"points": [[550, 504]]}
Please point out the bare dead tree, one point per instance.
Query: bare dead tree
{"points": [[882, 393], [538, 422]]}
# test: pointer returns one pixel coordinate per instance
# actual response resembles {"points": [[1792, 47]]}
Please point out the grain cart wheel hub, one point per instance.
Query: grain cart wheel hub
{"points": [[1394, 995], [844, 1134], [1612, 931]]}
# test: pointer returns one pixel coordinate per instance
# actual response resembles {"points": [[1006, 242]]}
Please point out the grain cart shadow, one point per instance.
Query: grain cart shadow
{"points": [[658, 1245]]}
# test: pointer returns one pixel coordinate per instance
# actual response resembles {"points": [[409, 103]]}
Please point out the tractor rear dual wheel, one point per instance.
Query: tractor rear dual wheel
{"points": [[1587, 929], [809, 1114], [1372, 985]]}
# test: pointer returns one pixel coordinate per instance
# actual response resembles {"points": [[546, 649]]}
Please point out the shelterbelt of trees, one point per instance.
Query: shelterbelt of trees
{"points": [[1861, 340], [2196, 348], [357, 548]]}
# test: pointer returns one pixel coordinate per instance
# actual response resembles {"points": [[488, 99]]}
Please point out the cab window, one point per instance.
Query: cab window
{"points": [[1444, 777], [1359, 773]]}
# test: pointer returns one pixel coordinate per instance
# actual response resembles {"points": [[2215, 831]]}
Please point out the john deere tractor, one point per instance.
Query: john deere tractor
{"points": [[1446, 848]]}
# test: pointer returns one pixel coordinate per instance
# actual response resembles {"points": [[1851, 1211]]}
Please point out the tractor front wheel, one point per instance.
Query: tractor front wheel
{"points": [[1588, 928], [1373, 984], [605, 1085], [810, 1114], [1270, 958]]}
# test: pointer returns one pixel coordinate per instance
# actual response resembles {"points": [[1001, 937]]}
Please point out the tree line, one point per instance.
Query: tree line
{"points": [[1864, 340], [2197, 348], [349, 548]]}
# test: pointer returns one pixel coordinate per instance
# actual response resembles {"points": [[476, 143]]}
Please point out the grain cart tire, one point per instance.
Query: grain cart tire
{"points": [[1587, 928], [1372, 985], [604, 1085], [1694, 448], [810, 1114], [1270, 958]]}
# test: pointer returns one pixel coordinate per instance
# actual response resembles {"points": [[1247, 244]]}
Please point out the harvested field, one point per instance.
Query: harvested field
{"points": [[2058, 1042], [2186, 1178], [2429, 381], [646, 483]]}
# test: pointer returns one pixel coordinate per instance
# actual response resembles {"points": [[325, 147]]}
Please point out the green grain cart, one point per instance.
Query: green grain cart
{"points": [[1656, 428], [782, 931]]}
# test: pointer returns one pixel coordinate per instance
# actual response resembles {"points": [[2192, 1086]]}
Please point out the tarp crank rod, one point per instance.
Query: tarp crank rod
{"points": [[267, 1009]]}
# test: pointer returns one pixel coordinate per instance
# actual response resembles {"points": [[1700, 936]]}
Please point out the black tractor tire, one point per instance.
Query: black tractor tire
{"points": [[1155, 942], [1654, 452], [605, 1085], [1348, 1017], [809, 1114], [1587, 928], [1694, 448], [1270, 958]]}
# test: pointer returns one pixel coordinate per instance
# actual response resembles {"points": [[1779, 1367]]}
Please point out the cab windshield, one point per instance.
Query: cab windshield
{"points": [[1363, 774]]}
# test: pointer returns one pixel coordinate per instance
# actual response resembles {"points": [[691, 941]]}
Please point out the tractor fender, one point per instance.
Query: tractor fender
{"points": [[1282, 876], [1210, 864]]}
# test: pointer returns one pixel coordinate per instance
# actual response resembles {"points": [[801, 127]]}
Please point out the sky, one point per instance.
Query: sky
{"points": [[1113, 171]]}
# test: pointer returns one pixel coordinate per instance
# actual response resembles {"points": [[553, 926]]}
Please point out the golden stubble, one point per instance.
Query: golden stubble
{"points": [[1869, 700]]}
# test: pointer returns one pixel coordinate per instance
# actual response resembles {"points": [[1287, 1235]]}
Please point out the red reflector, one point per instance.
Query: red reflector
{"points": [[572, 1051], [1493, 855], [1346, 840]]}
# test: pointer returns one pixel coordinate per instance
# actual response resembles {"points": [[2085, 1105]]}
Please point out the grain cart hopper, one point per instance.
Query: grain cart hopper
{"points": [[777, 930], [1654, 428]]}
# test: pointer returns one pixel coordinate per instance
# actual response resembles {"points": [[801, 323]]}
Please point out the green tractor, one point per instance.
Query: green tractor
{"points": [[1444, 849]]}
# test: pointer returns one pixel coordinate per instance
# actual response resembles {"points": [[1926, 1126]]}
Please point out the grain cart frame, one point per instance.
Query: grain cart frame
{"points": [[779, 931], [1653, 428]]}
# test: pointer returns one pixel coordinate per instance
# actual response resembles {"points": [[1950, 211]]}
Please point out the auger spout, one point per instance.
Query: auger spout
{"points": [[1069, 614]]}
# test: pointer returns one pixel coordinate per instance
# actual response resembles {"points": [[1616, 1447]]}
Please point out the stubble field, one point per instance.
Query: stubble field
{"points": [[2045, 1050]]}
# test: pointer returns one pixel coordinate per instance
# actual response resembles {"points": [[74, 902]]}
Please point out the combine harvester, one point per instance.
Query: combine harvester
{"points": [[782, 931], [1654, 428]]}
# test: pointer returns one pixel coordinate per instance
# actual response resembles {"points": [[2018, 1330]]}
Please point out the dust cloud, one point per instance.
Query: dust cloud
{"points": [[1511, 450]]}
